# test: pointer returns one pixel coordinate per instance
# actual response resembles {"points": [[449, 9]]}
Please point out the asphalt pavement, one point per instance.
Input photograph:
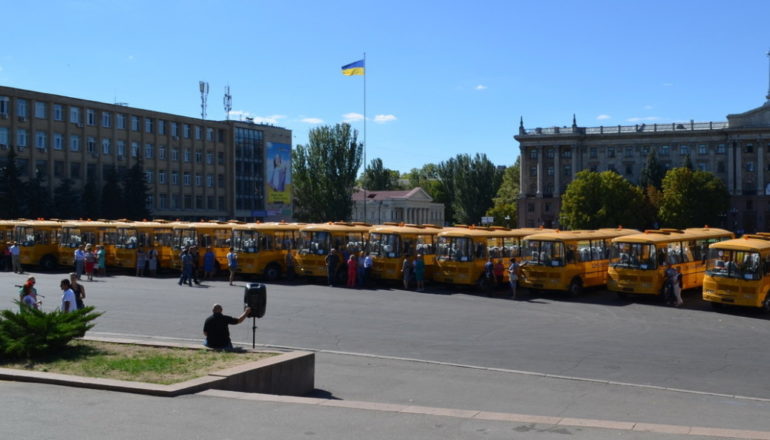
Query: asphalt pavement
{"points": [[459, 354]]}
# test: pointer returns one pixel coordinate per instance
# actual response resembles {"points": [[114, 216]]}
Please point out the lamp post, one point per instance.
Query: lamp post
{"points": [[508, 221]]}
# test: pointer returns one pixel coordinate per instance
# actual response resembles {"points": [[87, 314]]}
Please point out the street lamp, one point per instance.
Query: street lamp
{"points": [[508, 221]]}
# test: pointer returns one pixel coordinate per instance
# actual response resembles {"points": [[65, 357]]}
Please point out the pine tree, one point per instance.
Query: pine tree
{"points": [[66, 200], [135, 192], [37, 197], [112, 205], [10, 187], [91, 201], [653, 172]]}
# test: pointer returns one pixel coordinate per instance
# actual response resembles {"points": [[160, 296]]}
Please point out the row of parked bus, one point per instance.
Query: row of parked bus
{"points": [[627, 261]]}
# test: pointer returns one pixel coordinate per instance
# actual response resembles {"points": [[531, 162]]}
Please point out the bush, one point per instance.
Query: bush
{"points": [[31, 332]]}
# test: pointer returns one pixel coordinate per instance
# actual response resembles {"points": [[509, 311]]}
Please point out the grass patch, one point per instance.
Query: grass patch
{"points": [[139, 363]]}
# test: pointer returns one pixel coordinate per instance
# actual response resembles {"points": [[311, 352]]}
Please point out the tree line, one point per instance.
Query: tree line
{"points": [[122, 195]]}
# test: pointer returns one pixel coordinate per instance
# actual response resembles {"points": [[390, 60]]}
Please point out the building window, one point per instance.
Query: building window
{"points": [[58, 141], [720, 167], [162, 152], [106, 147], [106, 119], [40, 110], [721, 149], [186, 179], [199, 202], [74, 170], [209, 181], [221, 202], [174, 154], [174, 178], [4, 105], [186, 131], [549, 170], [629, 170], [174, 129], [703, 166], [209, 158], [91, 145], [220, 180], [610, 152], [567, 170], [197, 132], [629, 152], [198, 180], [702, 149], [684, 150], [592, 153], [4, 137], [549, 154], [533, 154], [74, 115], [186, 155], [120, 121], [645, 150], [150, 202], [161, 126], [58, 169], [21, 108], [148, 151], [532, 171], [188, 201], [210, 202], [147, 125], [175, 201], [665, 150], [210, 134], [749, 166], [567, 154], [163, 201], [148, 176], [90, 117], [58, 112], [41, 140], [162, 177], [21, 138], [220, 158], [134, 123], [134, 149], [198, 156], [748, 148], [530, 207], [121, 149]]}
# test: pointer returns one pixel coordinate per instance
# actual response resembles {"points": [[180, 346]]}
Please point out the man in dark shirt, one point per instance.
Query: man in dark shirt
{"points": [[216, 328]]}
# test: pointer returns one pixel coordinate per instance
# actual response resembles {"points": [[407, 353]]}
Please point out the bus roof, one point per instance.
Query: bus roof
{"points": [[272, 226], [749, 242], [582, 234], [668, 235], [405, 229], [336, 227]]}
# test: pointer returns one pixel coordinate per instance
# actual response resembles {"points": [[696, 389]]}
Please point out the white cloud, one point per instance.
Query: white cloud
{"points": [[312, 120], [480, 87], [243, 115], [352, 117], [381, 119], [644, 119], [603, 117]]}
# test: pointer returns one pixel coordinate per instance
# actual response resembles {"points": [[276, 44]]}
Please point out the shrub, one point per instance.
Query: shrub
{"points": [[31, 332]]}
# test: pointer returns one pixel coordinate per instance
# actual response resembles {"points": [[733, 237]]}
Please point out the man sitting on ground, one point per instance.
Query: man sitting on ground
{"points": [[216, 328]]}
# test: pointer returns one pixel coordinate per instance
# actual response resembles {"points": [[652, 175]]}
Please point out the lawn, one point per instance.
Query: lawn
{"points": [[139, 363]]}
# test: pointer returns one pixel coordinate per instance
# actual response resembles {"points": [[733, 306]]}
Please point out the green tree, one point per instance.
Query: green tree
{"points": [[652, 172], [378, 178], [112, 196], [446, 172], [10, 187], [66, 200], [324, 173], [91, 202], [135, 192], [475, 183], [38, 200], [505, 203], [692, 199], [599, 200]]}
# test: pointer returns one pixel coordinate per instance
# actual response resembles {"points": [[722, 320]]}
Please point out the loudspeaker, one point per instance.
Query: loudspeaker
{"points": [[255, 296]]}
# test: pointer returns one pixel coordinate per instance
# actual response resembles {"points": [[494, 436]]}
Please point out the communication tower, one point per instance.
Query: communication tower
{"points": [[228, 101], [204, 87]]}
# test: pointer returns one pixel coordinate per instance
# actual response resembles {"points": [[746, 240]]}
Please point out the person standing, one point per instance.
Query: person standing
{"points": [[368, 264], [498, 270], [352, 270], [196, 264], [290, 266], [419, 272], [232, 264], [80, 260], [101, 260], [68, 301], [360, 270], [90, 262], [152, 261], [677, 286], [406, 271], [513, 276], [209, 263], [186, 262], [78, 289], [28, 294], [331, 260], [668, 284], [141, 261], [16, 258], [216, 329]]}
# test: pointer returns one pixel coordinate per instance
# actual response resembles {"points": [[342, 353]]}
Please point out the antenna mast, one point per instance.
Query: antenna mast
{"points": [[228, 101], [204, 87]]}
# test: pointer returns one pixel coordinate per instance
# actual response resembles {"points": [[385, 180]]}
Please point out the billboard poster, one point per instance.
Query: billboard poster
{"points": [[278, 174]]}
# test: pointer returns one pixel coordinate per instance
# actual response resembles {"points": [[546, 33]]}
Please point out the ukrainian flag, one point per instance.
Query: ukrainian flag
{"points": [[351, 69]]}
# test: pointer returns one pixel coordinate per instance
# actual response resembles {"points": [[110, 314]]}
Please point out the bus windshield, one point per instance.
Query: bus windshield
{"points": [[543, 253], [384, 245], [633, 256], [315, 242], [734, 264], [455, 249]]}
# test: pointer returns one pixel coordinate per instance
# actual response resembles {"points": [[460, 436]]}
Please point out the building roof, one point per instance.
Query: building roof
{"points": [[416, 193]]}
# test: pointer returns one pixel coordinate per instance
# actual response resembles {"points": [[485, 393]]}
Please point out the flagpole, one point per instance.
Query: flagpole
{"points": [[363, 181]]}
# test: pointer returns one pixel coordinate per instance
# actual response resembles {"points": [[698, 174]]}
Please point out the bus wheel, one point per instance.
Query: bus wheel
{"points": [[575, 287], [272, 272], [766, 303], [48, 263]]}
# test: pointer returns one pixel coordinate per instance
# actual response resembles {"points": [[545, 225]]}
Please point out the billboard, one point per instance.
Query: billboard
{"points": [[278, 167]]}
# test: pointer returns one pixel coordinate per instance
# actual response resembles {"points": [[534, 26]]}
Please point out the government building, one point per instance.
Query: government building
{"points": [[736, 151], [195, 169]]}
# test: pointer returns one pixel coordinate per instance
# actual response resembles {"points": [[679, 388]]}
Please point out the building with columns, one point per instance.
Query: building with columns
{"points": [[736, 151], [414, 206]]}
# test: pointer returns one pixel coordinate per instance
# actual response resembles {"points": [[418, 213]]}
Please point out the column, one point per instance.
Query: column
{"points": [[574, 160], [523, 172], [738, 170], [760, 169], [540, 173], [556, 173], [730, 167]]}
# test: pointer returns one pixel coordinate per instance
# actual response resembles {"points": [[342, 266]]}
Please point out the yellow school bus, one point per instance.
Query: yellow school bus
{"points": [[131, 235], [39, 242], [217, 235], [6, 234], [738, 272], [81, 232], [636, 261], [568, 261], [262, 247], [391, 242], [462, 252], [317, 240]]}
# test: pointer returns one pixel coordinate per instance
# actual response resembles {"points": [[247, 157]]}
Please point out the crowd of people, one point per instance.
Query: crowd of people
{"points": [[73, 294]]}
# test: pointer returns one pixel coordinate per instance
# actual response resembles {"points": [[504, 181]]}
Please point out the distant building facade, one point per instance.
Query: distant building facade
{"points": [[736, 151], [194, 168], [414, 206]]}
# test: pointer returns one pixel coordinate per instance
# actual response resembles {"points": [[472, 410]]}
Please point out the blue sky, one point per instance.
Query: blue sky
{"points": [[443, 78]]}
